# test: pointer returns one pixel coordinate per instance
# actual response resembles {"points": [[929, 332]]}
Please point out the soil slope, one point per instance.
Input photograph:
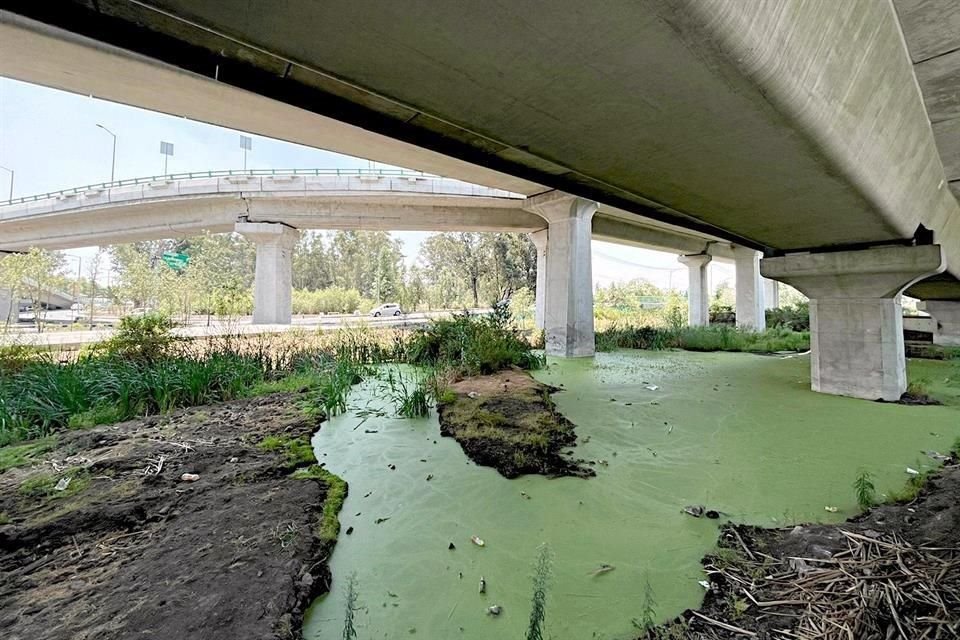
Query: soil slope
{"points": [[508, 421], [130, 550]]}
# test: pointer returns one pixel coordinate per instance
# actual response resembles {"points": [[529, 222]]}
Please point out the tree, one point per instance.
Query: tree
{"points": [[31, 274], [368, 261], [312, 268], [93, 270], [220, 273]]}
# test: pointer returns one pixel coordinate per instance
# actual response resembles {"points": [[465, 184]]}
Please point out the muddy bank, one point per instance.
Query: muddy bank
{"points": [[893, 572], [129, 549], [508, 421]]}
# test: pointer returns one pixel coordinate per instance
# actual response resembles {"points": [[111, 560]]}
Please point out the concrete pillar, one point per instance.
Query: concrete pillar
{"points": [[539, 239], [771, 294], [698, 289], [273, 283], [749, 302], [568, 305], [856, 323], [6, 306], [947, 315]]}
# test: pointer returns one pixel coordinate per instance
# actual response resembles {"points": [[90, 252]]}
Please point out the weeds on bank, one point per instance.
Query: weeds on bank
{"points": [[297, 451], [350, 608], [865, 491]]}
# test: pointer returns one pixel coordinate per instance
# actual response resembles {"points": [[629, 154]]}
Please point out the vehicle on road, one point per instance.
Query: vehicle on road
{"points": [[388, 309]]}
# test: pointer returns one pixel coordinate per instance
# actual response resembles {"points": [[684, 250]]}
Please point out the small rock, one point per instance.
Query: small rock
{"points": [[472, 394], [189, 477], [234, 459], [451, 546], [349, 530]]}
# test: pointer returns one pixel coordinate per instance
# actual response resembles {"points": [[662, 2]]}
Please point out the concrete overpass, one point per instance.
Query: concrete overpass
{"points": [[793, 127], [270, 207]]}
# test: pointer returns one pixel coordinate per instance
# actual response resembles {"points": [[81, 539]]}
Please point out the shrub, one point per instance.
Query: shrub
{"points": [[864, 489], [473, 346]]}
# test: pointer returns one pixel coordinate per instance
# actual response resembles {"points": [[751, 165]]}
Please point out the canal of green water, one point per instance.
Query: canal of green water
{"points": [[740, 433]]}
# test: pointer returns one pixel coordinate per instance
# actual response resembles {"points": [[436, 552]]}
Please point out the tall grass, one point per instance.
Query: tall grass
{"points": [[538, 602], [710, 338]]}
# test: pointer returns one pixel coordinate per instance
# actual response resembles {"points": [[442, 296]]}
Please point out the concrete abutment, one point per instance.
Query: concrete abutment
{"points": [[273, 282], [856, 324]]}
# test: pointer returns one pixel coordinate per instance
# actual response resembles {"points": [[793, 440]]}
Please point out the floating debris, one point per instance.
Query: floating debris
{"points": [[349, 530], [381, 520], [392, 467], [830, 509], [483, 585], [525, 495], [429, 477], [912, 472], [477, 541], [695, 510], [652, 387], [494, 610], [602, 569], [451, 546], [704, 584]]}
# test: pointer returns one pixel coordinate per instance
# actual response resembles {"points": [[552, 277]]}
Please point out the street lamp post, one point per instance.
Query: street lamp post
{"points": [[11, 181], [113, 157]]}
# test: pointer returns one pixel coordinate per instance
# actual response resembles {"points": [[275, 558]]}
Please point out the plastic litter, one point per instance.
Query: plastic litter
{"points": [[477, 541], [830, 509], [189, 477], [494, 610]]}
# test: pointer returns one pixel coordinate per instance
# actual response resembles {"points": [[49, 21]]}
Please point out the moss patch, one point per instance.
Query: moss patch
{"points": [[21, 455], [328, 527]]}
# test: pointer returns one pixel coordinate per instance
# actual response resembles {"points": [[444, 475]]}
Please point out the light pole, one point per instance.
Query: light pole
{"points": [[11, 181], [246, 143], [113, 157]]}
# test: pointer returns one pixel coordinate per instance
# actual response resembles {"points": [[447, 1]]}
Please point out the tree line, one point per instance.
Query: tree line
{"points": [[332, 271]]}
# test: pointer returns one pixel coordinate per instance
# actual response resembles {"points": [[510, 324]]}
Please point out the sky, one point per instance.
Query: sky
{"points": [[51, 141]]}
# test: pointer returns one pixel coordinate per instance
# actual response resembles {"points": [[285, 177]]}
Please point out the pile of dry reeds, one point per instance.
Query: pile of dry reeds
{"points": [[879, 588]]}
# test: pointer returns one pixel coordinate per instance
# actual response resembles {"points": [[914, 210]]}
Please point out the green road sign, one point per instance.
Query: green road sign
{"points": [[176, 261]]}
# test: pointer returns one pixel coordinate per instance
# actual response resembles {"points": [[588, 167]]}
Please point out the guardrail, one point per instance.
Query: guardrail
{"points": [[219, 174]]}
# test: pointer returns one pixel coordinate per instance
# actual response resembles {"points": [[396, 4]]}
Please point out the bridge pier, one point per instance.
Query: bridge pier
{"points": [[568, 294], [539, 239], [771, 294], [856, 323], [698, 290], [947, 315], [6, 306], [750, 309], [273, 282]]}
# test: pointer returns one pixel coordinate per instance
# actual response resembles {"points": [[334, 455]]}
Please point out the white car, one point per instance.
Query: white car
{"points": [[388, 309]]}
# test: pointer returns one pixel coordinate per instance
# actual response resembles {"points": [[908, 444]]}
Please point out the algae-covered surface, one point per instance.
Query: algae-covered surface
{"points": [[740, 433]]}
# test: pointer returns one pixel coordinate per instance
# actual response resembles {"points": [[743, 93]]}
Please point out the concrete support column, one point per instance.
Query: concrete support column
{"points": [[6, 306], [771, 294], [273, 283], [698, 289], [947, 315], [749, 302], [568, 305], [539, 239], [856, 323]]}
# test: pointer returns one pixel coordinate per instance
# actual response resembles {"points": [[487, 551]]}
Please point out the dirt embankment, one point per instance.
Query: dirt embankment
{"points": [[508, 421], [128, 549], [892, 573]]}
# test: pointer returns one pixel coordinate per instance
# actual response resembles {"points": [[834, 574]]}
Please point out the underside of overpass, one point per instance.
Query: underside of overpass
{"points": [[792, 127]]}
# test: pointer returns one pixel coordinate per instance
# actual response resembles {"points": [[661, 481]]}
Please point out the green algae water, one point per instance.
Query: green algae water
{"points": [[740, 433]]}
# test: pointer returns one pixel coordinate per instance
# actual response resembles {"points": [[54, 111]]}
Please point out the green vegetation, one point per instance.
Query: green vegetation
{"points": [[297, 451], [20, 455], [865, 491], [410, 396], [538, 604], [911, 489], [709, 338], [473, 346], [44, 485], [648, 614], [350, 608], [329, 525]]}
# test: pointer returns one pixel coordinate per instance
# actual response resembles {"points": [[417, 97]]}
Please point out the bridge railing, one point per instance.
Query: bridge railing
{"points": [[220, 174]]}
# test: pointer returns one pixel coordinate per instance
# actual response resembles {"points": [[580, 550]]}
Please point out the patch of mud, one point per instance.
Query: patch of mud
{"points": [[129, 549], [508, 421], [893, 572]]}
